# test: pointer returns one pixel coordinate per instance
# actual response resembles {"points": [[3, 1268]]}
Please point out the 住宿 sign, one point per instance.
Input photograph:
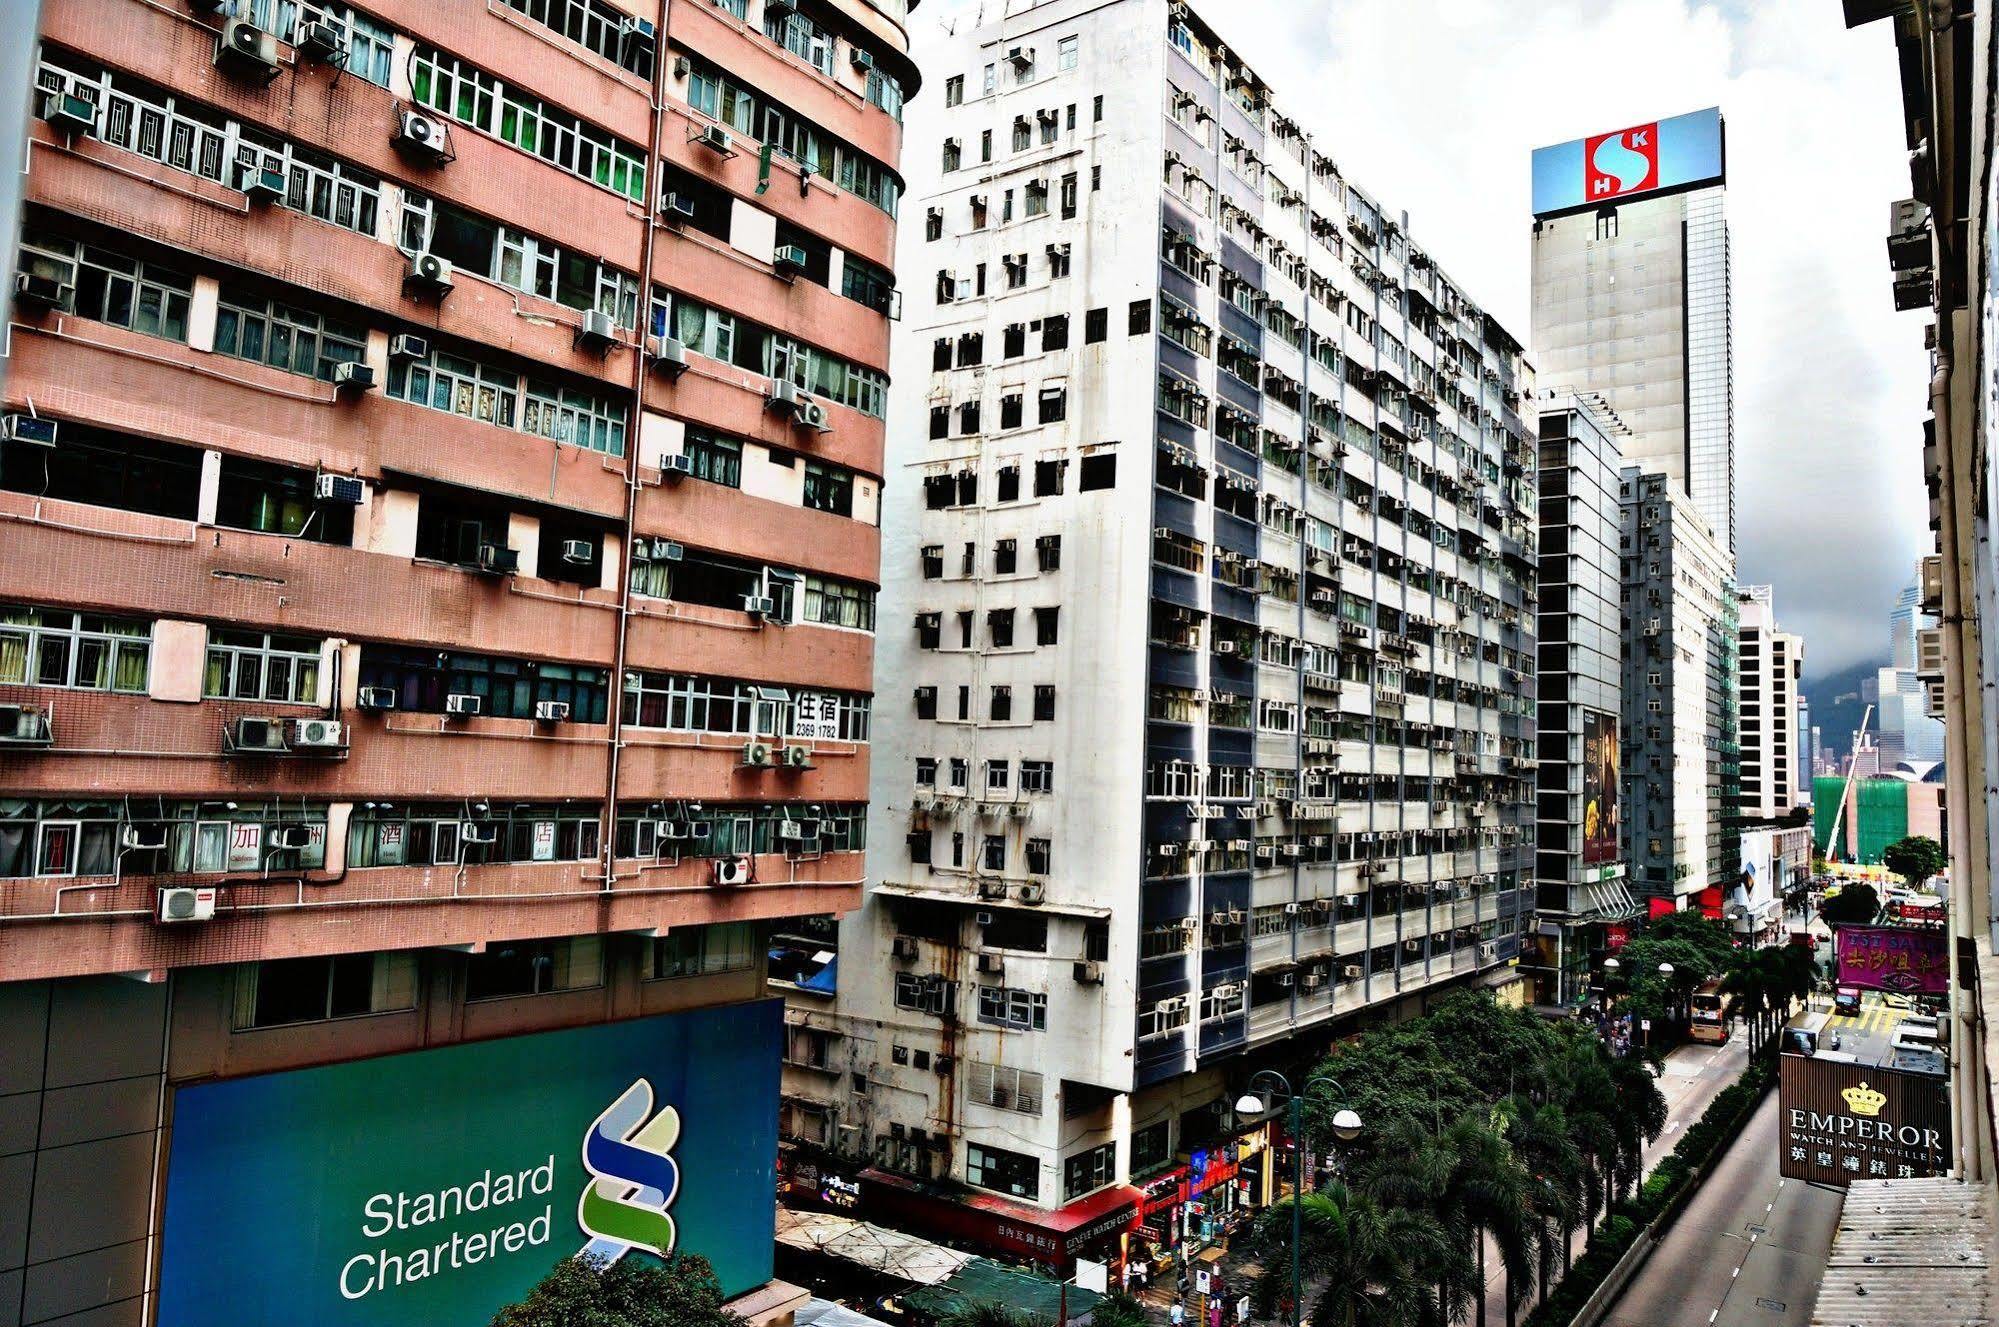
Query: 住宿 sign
{"points": [[437, 1186], [1659, 156]]}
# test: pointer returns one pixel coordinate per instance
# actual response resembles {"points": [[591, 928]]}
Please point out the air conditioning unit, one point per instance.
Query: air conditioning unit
{"points": [[676, 467], [903, 948], [797, 831], [784, 395], [596, 332], [40, 290], [69, 115], [732, 871], [757, 755], [715, 138], [254, 735], [136, 838], [992, 965], [338, 488], [464, 703], [321, 41], [1349, 972], [1225, 647], [1285, 978], [668, 356], [246, 51], [187, 904], [677, 207], [408, 346], [498, 560], [1033, 892], [28, 430], [1020, 57], [811, 414], [796, 757], [478, 831], [992, 889], [353, 376], [25, 725], [759, 605], [288, 838], [578, 552], [551, 711], [376, 698], [1018, 810], [262, 181], [789, 260], [316, 734], [666, 550], [421, 137], [428, 272]]}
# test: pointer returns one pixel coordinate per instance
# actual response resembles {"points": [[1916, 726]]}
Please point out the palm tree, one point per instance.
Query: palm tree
{"points": [[1377, 1263], [1638, 1117], [981, 1313], [1412, 1168], [1541, 1137], [1747, 986], [1490, 1187]]}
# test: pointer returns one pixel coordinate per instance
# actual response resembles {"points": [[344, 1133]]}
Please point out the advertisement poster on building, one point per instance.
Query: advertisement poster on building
{"points": [[438, 1186], [1840, 1122], [1909, 960], [815, 716], [1599, 788]]}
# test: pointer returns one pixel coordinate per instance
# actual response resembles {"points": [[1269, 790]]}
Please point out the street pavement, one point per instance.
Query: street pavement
{"points": [[1748, 1251], [1692, 1076]]}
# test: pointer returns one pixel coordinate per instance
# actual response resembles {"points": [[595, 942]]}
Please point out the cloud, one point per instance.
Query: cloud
{"points": [[1434, 105]]}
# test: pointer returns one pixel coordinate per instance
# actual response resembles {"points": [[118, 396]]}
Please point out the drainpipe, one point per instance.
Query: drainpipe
{"points": [[635, 423]]}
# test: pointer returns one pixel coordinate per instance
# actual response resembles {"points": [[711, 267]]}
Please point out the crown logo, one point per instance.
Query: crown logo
{"points": [[1864, 1100]]}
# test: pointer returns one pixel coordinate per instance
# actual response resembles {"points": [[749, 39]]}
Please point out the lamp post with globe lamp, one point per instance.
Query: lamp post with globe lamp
{"points": [[1347, 1126]]}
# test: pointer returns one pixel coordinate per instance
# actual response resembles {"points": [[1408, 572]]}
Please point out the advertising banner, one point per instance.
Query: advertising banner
{"points": [[1906, 959], [1664, 155], [437, 1186], [1840, 1121], [1599, 787]]}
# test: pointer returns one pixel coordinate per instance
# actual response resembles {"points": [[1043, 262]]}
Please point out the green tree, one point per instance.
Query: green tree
{"points": [[1119, 1309], [1541, 1137], [1915, 858], [631, 1292], [1490, 1188], [1855, 904], [1378, 1265], [989, 1313]]}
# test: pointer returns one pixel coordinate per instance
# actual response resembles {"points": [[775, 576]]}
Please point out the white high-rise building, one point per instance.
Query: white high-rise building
{"points": [[1206, 714], [1771, 673]]}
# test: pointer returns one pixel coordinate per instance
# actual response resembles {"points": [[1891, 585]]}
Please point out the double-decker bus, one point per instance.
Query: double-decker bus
{"points": [[1709, 1023]]}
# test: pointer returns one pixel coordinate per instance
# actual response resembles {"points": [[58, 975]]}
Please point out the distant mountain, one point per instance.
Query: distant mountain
{"points": [[1837, 707]]}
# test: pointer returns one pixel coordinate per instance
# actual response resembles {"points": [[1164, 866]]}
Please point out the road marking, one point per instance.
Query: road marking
{"points": [[1737, 1272], [1712, 1316]]}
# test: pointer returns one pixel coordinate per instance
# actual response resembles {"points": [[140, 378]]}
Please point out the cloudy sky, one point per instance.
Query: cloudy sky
{"points": [[1434, 105]]}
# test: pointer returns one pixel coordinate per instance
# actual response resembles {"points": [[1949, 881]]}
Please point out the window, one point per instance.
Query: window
{"points": [[829, 488], [954, 90], [1011, 413], [1036, 203], [1066, 52], [473, 97], [1002, 707], [953, 154], [1086, 1172], [1005, 1087], [1010, 1007], [997, 775], [1037, 776], [926, 766], [1007, 484], [926, 994], [968, 417], [1053, 405], [276, 499], [1023, 134], [508, 688], [1005, 555], [461, 386], [1038, 852], [1096, 326], [1069, 195], [1099, 472], [256, 665], [865, 283], [433, 834], [991, 79], [125, 292], [1044, 701], [1096, 179], [986, 146], [1150, 1147], [1097, 109], [284, 337], [700, 951], [1047, 624], [692, 702], [51, 647], [960, 773], [535, 967], [940, 427], [282, 991], [72, 837], [1003, 1172], [595, 26], [798, 34], [1048, 477], [104, 469], [1055, 332], [1141, 317], [835, 603], [964, 704], [717, 459], [1048, 552], [933, 224]]}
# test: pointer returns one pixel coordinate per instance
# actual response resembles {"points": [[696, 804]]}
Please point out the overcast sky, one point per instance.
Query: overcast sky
{"points": [[1434, 106]]}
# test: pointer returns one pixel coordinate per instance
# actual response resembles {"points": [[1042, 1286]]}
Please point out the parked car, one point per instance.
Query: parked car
{"points": [[1846, 1000]]}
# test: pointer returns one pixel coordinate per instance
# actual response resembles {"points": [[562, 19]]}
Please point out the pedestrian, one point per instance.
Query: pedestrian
{"points": [[1177, 1315], [1214, 1311], [1242, 1312]]}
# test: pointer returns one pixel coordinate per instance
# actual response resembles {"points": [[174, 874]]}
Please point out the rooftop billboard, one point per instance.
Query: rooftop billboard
{"points": [[1660, 157], [437, 1186]]}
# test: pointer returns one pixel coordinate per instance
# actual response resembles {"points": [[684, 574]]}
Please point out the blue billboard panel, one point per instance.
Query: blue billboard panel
{"points": [[437, 1186], [1659, 157]]}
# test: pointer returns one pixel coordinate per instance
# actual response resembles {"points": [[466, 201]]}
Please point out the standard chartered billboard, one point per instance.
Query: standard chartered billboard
{"points": [[436, 1186]]}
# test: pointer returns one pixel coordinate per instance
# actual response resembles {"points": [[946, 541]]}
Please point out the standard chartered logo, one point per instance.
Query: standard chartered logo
{"points": [[633, 1177]]}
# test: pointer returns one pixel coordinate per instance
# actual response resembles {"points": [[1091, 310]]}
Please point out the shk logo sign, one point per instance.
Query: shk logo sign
{"points": [[1621, 163], [633, 1177]]}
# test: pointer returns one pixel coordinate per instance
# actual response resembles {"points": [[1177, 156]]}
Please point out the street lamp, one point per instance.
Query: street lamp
{"points": [[1347, 1126], [1666, 975]]}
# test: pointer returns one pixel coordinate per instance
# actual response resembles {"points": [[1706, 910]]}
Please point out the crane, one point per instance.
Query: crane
{"points": [[1846, 791]]}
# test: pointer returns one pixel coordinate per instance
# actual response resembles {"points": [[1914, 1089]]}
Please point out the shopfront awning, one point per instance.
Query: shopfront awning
{"points": [[1608, 901], [1086, 1225], [877, 1248]]}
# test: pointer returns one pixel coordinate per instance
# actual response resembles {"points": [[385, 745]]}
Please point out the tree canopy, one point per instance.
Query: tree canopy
{"points": [[1855, 904], [1915, 858], [631, 1292]]}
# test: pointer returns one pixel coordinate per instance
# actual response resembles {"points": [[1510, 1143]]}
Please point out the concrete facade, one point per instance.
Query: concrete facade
{"points": [[1771, 666], [1248, 493], [470, 649]]}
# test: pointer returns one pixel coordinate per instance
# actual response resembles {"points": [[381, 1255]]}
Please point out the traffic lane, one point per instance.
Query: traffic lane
{"points": [[1749, 1248]]}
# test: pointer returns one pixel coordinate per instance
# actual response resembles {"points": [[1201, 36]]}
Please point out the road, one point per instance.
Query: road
{"points": [[1748, 1251], [1692, 1076]]}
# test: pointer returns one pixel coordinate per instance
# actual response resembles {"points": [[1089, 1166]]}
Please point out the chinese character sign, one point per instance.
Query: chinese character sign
{"points": [[1907, 960]]}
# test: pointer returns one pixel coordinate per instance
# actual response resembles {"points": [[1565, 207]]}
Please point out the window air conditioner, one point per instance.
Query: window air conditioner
{"points": [[498, 560], [421, 137], [69, 115], [261, 180], [338, 488], [596, 332], [187, 905], [578, 552], [1089, 972], [668, 356], [376, 698], [408, 346], [992, 965], [321, 41], [551, 711], [463, 703], [903, 948], [353, 376], [138, 838], [288, 838], [253, 735], [28, 430], [677, 207], [478, 831], [24, 725], [41, 291], [715, 138], [759, 606]]}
